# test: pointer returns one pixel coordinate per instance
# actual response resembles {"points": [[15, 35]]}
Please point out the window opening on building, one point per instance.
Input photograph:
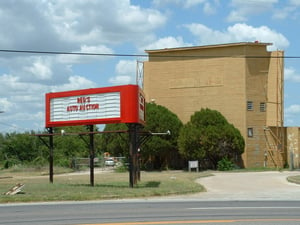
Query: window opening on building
{"points": [[250, 132], [249, 105], [262, 106]]}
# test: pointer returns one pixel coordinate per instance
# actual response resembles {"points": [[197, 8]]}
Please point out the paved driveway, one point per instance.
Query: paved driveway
{"points": [[271, 185]]}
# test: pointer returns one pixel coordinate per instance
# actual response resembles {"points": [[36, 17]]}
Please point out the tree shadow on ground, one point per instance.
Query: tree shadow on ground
{"points": [[149, 184], [152, 184]]}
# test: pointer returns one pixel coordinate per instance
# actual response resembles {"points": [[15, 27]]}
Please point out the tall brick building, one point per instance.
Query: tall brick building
{"points": [[243, 81]]}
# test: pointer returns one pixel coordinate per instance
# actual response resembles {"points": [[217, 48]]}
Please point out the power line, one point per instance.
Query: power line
{"points": [[71, 53], [137, 55], [9, 125]]}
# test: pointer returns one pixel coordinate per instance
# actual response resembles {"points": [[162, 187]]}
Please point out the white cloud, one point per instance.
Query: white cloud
{"points": [[209, 6], [243, 9], [75, 82], [24, 101], [20, 97], [40, 69], [288, 11], [30, 121], [67, 25], [192, 3], [183, 3], [291, 115], [125, 73], [295, 2], [161, 3], [29, 97], [282, 13], [102, 21], [9, 83], [239, 32], [290, 74], [120, 80], [75, 59], [137, 20], [293, 109], [6, 105], [126, 67], [166, 42], [208, 9], [12, 87]]}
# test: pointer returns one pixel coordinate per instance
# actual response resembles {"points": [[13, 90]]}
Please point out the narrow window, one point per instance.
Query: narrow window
{"points": [[262, 106], [250, 132], [249, 105]]}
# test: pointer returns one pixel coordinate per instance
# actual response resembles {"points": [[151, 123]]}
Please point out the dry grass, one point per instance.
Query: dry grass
{"points": [[108, 185]]}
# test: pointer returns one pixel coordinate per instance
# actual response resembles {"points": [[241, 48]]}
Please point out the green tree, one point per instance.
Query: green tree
{"points": [[116, 140], [20, 148], [159, 151], [209, 137], [67, 147], [25, 148], [1, 147]]}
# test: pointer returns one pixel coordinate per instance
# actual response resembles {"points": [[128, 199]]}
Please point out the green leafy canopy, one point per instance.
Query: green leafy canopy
{"points": [[209, 137]]}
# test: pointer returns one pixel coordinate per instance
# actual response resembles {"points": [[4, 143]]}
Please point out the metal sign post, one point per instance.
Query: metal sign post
{"points": [[92, 154], [133, 144], [50, 130]]}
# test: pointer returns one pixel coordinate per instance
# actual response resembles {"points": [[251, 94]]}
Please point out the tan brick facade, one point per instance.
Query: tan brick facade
{"points": [[239, 80], [293, 143]]}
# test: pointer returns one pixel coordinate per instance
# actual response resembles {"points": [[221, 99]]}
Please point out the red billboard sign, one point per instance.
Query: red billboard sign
{"points": [[117, 104]]}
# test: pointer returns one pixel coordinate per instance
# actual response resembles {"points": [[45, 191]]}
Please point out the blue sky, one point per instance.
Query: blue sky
{"points": [[125, 27]]}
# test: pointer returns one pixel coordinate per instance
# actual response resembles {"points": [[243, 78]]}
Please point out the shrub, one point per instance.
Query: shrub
{"points": [[8, 163], [121, 166], [209, 136], [225, 165]]}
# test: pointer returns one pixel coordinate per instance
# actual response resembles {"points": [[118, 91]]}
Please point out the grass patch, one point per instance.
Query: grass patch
{"points": [[108, 185], [32, 171]]}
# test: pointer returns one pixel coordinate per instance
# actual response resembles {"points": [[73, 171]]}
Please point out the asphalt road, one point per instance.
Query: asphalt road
{"points": [[264, 198], [141, 212]]}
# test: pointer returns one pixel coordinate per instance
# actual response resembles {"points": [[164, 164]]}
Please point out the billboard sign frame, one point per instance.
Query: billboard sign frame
{"points": [[115, 104]]}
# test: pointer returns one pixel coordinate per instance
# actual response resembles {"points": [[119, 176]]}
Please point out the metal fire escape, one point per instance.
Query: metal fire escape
{"points": [[275, 135]]}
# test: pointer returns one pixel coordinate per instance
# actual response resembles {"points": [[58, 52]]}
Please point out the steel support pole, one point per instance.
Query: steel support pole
{"points": [[133, 132], [50, 130], [92, 154], [138, 162]]}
